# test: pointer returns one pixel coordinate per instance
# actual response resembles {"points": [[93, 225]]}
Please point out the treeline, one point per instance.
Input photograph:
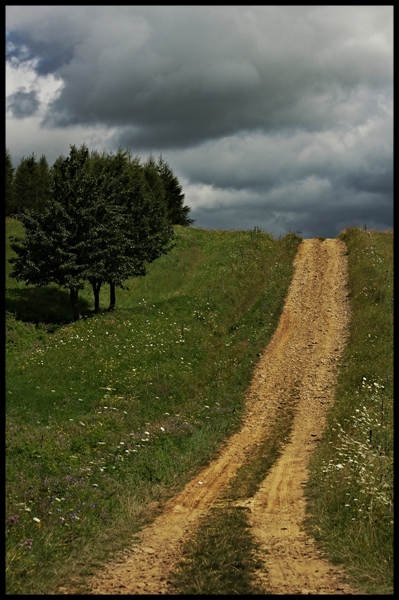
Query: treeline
{"points": [[92, 217]]}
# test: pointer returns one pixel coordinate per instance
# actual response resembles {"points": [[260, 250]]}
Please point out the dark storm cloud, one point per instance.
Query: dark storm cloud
{"points": [[324, 213], [22, 104], [260, 162], [176, 76], [278, 114]]}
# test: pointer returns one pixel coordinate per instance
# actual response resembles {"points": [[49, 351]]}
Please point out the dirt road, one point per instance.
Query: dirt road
{"points": [[302, 354]]}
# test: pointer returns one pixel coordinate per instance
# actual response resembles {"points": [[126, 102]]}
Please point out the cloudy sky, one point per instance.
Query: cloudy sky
{"points": [[279, 117]]}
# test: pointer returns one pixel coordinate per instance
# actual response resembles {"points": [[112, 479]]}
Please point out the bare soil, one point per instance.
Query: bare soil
{"points": [[302, 355]]}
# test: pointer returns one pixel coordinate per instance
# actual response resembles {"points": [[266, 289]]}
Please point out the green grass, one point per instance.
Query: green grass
{"points": [[221, 560], [350, 490], [109, 416]]}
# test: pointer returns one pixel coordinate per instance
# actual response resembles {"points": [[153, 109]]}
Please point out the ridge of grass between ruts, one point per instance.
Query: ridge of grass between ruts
{"points": [[222, 556]]}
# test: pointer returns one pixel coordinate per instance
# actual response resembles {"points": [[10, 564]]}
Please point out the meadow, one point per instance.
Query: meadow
{"points": [[108, 417]]}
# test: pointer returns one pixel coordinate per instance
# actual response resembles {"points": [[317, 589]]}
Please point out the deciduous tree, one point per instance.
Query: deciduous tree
{"points": [[140, 230], [60, 244]]}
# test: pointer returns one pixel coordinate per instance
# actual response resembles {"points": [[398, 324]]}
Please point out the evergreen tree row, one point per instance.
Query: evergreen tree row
{"points": [[27, 186], [104, 219]]}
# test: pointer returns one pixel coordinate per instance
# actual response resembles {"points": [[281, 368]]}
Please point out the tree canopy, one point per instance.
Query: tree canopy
{"points": [[27, 186]]}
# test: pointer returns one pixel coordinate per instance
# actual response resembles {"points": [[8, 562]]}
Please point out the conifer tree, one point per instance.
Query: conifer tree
{"points": [[43, 183], [25, 184], [31, 184], [10, 199], [174, 196], [153, 178]]}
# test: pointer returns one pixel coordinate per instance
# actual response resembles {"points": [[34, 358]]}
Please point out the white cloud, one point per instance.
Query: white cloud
{"points": [[23, 75]]}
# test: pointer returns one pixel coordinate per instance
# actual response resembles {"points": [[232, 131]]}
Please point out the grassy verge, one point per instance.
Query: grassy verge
{"points": [[350, 491], [108, 417]]}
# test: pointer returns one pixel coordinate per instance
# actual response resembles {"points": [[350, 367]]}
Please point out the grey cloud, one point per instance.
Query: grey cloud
{"points": [[326, 215], [22, 104], [176, 76], [253, 162], [48, 34]]}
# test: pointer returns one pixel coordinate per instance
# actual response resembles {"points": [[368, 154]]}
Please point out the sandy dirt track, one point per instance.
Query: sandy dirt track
{"points": [[302, 355]]}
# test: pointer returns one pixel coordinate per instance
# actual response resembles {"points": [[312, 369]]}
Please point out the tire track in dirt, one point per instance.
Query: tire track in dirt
{"points": [[294, 565], [303, 353]]}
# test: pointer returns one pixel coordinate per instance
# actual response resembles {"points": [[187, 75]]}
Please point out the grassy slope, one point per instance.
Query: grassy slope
{"points": [[109, 416], [142, 397]]}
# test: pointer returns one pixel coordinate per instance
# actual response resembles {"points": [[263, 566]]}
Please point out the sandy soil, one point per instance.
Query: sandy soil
{"points": [[303, 353]]}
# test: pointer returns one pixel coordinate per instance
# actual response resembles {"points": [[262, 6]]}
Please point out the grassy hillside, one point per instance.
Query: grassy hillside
{"points": [[109, 416]]}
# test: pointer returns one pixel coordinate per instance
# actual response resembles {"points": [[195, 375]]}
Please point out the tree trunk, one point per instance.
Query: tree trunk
{"points": [[112, 296], [75, 304], [96, 285]]}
